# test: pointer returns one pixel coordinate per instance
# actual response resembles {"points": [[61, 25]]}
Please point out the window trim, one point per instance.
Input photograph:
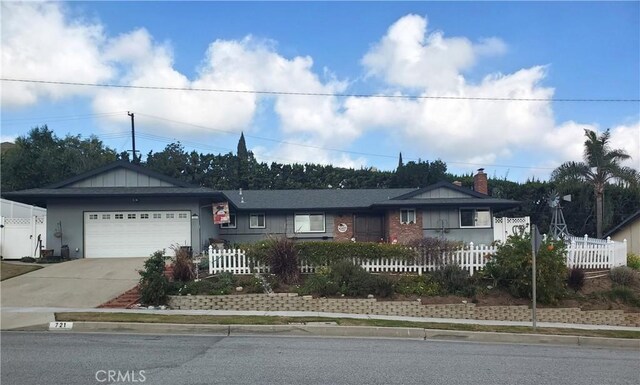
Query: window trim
{"points": [[415, 217], [475, 210], [264, 226], [324, 222], [234, 221]]}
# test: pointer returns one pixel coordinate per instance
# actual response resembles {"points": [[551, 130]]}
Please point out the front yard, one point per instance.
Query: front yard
{"points": [[10, 270]]}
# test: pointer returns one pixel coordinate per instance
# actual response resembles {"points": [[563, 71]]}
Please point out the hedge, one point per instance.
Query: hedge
{"points": [[320, 253]]}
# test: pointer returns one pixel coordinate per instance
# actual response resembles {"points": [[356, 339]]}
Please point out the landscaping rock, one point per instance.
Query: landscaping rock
{"points": [[239, 288]]}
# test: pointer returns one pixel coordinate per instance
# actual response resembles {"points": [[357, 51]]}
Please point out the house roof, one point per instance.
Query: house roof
{"points": [[39, 196], [325, 199], [119, 164], [319, 199], [442, 184], [628, 220]]}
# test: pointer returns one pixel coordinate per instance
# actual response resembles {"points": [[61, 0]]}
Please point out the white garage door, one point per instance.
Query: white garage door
{"points": [[134, 233]]}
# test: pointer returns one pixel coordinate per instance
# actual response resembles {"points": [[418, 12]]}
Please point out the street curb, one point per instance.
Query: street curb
{"points": [[349, 331]]}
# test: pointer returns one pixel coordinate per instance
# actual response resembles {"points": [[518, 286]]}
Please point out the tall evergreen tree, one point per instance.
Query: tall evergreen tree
{"points": [[243, 163], [400, 164]]}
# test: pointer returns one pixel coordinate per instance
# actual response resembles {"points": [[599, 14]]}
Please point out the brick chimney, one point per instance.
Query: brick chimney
{"points": [[480, 183]]}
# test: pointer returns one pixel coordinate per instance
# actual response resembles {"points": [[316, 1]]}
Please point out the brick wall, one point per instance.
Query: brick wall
{"points": [[406, 232], [293, 302], [346, 219]]}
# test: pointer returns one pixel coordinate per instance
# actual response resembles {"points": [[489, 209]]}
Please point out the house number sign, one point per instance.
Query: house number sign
{"points": [[342, 227]]}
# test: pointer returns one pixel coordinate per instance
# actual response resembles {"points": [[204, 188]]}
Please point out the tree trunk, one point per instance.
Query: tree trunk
{"points": [[599, 210]]}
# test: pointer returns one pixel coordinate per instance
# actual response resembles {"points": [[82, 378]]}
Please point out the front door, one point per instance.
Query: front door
{"points": [[369, 228]]}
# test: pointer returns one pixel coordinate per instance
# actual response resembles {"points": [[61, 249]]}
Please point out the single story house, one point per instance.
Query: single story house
{"points": [[628, 229], [125, 210]]}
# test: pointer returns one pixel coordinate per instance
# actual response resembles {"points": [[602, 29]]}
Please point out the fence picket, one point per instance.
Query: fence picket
{"points": [[580, 253]]}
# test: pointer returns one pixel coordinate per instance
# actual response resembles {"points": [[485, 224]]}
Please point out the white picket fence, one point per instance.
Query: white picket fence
{"points": [[472, 258]]}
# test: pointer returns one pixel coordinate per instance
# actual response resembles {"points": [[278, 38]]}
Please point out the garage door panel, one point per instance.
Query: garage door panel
{"points": [[134, 233]]}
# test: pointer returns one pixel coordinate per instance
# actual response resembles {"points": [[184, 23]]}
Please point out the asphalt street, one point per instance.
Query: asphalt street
{"points": [[78, 358]]}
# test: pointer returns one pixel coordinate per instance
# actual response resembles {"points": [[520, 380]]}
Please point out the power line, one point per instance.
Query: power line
{"points": [[63, 117], [335, 149], [290, 93]]}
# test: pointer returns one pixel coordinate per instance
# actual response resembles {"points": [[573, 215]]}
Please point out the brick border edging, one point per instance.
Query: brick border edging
{"points": [[294, 302]]}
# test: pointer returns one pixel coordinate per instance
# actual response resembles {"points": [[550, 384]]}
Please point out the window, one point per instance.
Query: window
{"points": [[106, 216], [119, 216], [407, 216], [182, 215], [157, 215], [93, 216], [256, 221], [231, 224], [131, 216], [169, 216], [475, 218], [309, 223], [144, 216]]}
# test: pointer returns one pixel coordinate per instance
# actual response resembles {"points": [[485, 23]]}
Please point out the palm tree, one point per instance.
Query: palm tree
{"points": [[601, 164]]}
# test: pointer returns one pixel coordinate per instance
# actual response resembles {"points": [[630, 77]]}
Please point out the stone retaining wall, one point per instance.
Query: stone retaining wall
{"points": [[293, 302]]}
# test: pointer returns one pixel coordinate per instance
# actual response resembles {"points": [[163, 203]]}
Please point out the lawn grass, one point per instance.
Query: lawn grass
{"points": [[10, 270], [274, 320]]}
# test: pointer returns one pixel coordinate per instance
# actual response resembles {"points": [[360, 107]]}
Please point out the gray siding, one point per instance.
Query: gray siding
{"points": [[121, 178], [441, 192], [276, 223], [433, 222], [71, 214], [480, 236]]}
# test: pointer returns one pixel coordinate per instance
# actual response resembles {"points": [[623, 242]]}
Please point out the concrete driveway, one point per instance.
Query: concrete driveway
{"points": [[82, 283]]}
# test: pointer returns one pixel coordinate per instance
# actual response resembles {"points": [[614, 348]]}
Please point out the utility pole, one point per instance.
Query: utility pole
{"points": [[133, 136]]}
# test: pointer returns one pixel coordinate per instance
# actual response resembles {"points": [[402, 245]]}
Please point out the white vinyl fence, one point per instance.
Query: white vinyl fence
{"points": [[19, 236], [472, 258]]}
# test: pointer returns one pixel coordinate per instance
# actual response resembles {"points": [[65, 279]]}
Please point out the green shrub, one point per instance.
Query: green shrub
{"points": [[422, 285], [511, 268], [254, 285], [624, 294], [320, 285], [383, 287], [454, 280], [575, 279], [326, 253], [633, 261], [183, 267], [153, 283], [223, 283], [623, 275]]}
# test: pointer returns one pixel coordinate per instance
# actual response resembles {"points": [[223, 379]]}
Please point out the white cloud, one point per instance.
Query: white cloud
{"points": [[40, 42], [8, 138], [627, 137], [410, 57], [146, 63]]}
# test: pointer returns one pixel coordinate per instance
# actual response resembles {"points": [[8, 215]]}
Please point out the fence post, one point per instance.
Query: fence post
{"points": [[210, 260], [586, 239]]}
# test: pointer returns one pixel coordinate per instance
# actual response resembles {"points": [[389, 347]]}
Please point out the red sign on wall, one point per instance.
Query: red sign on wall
{"points": [[221, 213]]}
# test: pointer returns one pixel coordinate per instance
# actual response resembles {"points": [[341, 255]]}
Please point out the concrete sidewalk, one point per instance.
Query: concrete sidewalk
{"points": [[320, 329], [51, 310]]}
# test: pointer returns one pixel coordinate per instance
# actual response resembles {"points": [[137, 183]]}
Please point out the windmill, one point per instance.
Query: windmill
{"points": [[558, 227]]}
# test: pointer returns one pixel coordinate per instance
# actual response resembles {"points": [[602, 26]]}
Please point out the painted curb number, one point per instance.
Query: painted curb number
{"points": [[60, 325]]}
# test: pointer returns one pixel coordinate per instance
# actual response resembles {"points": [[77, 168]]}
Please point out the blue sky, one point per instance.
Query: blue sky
{"points": [[542, 50]]}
